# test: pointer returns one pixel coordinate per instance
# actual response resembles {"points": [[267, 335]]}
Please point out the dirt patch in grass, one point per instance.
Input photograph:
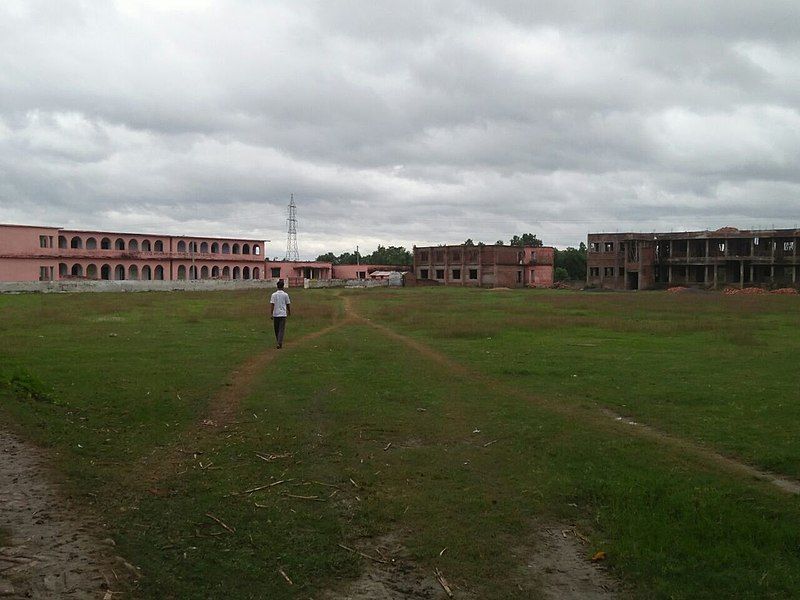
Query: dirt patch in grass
{"points": [[53, 551], [556, 568], [391, 575]]}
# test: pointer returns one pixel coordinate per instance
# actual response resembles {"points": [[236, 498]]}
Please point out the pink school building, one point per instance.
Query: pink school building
{"points": [[294, 272], [30, 253]]}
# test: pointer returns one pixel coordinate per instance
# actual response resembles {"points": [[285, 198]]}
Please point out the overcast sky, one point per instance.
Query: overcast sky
{"points": [[401, 123]]}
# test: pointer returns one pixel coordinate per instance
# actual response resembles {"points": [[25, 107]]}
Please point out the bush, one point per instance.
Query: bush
{"points": [[26, 386], [560, 274]]}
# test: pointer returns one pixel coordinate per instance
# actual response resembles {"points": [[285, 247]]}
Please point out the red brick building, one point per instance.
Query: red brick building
{"points": [[712, 259], [488, 266]]}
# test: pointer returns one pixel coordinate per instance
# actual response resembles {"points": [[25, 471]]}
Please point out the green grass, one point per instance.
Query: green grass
{"points": [[717, 369], [673, 525]]}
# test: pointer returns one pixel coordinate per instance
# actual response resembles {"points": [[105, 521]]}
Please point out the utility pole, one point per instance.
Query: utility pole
{"points": [[358, 257]]}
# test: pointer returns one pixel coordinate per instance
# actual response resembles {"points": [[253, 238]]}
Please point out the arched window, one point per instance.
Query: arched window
{"points": [[256, 273], [204, 247], [119, 273], [62, 241], [91, 271], [147, 274], [105, 272], [236, 249], [246, 273], [159, 246], [226, 249], [226, 272], [91, 244], [63, 269], [215, 248], [119, 244], [246, 249], [192, 272], [77, 270], [181, 246], [215, 272], [236, 272], [182, 272], [105, 244], [146, 246], [159, 273], [256, 249], [204, 272], [133, 272], [193, 246], [76, 242], [133, 246]]}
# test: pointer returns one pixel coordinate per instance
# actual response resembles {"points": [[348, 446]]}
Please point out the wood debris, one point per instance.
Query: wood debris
{"points": [[221, 523], [443, 582], [260, 487], [378, 560], [270, 457], [285, 576], [487, 444], [317, 498]]}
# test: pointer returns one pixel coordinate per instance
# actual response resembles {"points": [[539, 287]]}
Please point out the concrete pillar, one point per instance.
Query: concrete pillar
{"points": [[752, 272], [669, 270], [741, 273], [715, 277]]}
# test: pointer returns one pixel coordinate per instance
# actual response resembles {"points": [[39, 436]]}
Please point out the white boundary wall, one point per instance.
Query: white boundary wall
{"points": [[71, 285], [344, 283]]}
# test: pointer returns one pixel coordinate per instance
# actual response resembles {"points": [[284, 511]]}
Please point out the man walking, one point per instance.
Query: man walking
{"points": [[280, 307]]}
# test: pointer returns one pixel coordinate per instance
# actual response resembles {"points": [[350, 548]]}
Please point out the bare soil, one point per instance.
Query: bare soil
{"points": [[54, 551], [396, 577], [556, 568]]}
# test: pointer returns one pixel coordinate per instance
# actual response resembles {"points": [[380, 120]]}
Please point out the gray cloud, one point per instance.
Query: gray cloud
{"points": [[423, 124]]}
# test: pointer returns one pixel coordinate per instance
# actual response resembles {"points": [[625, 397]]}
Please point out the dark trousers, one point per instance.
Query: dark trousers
{"points": [[279, 323]]}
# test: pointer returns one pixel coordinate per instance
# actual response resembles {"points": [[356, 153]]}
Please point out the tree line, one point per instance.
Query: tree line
{"points": [[392, 255], [569, 264]]}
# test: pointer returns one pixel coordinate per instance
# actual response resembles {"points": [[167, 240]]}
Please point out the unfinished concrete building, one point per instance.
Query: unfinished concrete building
{"points": [[712, 259], [490, 266]]}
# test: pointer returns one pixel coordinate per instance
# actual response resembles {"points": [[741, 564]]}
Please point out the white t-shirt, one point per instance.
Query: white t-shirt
{"points": [[279, 300]]}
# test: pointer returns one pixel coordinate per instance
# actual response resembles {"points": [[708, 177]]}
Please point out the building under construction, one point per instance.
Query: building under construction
{"points": [[713, 259], [485, 265]]}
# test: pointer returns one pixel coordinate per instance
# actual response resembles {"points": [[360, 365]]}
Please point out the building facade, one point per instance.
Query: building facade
{"points": [[294, 272], [489, 266], [712, 259], [31, 253]]}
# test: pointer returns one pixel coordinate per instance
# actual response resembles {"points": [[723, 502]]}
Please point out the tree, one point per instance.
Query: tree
{"points": [[469, 242], [526, 239], [327, 257], [573, 261], [499, 242], [393, 255], [560, 274]]}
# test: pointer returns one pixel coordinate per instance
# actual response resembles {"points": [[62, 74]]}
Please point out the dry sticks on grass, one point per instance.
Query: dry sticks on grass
{"points": [[378, 560], [260, 487], [443, 582], [220, 522]]}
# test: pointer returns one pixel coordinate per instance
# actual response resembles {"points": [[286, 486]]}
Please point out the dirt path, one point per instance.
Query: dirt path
{"points": [[630, 427], [222, 409], [54, 551]]}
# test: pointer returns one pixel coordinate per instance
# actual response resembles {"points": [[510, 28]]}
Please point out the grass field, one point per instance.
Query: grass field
{"points": [[466, 419]]}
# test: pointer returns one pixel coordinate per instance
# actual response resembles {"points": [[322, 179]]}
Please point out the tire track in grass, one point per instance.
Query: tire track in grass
{"points": [[603, 415], [222, 408]]}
